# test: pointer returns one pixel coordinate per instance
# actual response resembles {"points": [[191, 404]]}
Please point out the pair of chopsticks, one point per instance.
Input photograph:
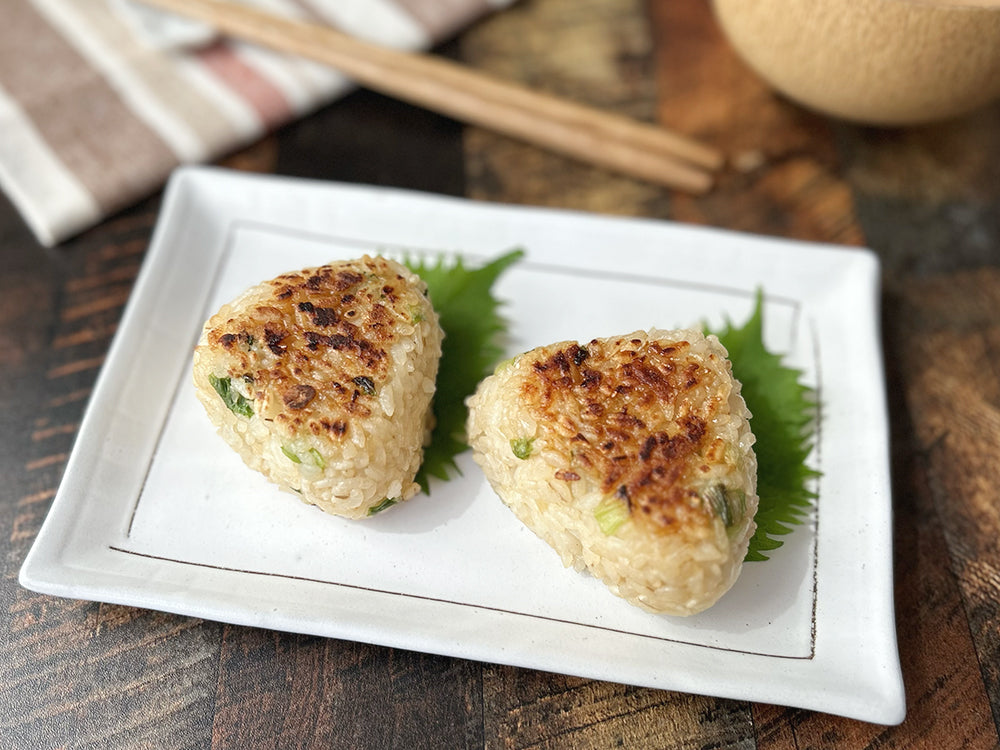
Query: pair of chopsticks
{"points": [[616, 143]]}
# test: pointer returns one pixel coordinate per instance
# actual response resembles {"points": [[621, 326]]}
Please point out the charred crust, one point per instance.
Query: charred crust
{"points": [[627, 421], [298, 396], [313, 339], [324, 316], [347, 279], [356, 408], [647, 448], [563, 358], [609, 399], [274, 340], [337, 427], [339, 341], [369, 355], [379, 320], [227, 340], [622, 494], [333, 324], [692, 375], [652, 378]]}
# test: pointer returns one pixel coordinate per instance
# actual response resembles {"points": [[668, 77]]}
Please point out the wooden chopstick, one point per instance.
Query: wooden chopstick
{"points": [[616, 143]]}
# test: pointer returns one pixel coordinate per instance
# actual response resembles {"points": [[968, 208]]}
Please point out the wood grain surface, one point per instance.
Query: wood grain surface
{"points": [[87, 675]]}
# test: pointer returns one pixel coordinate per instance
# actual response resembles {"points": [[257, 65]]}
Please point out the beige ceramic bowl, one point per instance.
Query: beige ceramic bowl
{"points": [[882, 62]]}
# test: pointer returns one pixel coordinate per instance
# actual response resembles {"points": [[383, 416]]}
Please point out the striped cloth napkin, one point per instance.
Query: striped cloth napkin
{"points": [[101, 99]]}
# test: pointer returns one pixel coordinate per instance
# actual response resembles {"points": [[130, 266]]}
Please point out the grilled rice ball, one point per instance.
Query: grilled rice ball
{"points": [[631, 456], [322, 380]]}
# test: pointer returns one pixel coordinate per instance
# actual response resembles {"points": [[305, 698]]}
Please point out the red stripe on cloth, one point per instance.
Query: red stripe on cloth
{"points": [[262, 95]]}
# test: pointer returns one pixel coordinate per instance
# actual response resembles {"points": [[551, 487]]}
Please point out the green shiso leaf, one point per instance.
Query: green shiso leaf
{"points": [[469, 315], [785, 414]]}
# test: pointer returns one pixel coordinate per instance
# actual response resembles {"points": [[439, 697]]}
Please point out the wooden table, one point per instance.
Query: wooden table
{"points": [[81, 674]]}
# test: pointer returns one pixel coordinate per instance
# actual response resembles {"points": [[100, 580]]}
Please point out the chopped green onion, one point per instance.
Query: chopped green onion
{"points": [[385, 503], [503, 365], [521, 447], [365, 384], [730, 506], [313, 457], [610, 514], [237, 403]]}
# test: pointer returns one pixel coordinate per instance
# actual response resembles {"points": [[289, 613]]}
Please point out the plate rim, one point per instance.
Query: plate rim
{"points": [[47, 570]]}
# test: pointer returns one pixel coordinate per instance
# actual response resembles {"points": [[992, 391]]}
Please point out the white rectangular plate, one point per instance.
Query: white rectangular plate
{"points": [[155, 511]]}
